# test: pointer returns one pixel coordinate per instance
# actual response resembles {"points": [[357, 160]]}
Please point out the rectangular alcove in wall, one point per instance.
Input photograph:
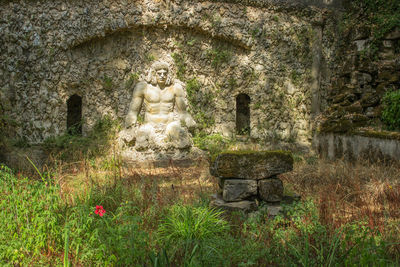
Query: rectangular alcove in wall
{"points": [[243, 114], [74, 115]]}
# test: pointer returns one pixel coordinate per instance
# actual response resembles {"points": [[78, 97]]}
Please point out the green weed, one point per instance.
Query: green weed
{"points": [[179, 60], [197, 102], [108, 84], [219, 56], [391, 109]]}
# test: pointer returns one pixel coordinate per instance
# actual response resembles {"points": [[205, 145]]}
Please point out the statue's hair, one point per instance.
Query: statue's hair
{"points": [[159, 65]]}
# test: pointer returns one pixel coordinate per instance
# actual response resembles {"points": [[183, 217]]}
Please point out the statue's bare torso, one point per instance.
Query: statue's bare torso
{"points": [[160, 99], [159, 104]]}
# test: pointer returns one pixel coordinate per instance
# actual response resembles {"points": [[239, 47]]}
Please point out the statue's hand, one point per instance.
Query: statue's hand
{"points": [[189, 122], [130, 122]]}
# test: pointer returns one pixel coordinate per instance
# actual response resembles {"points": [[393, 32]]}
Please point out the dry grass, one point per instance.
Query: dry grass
{"points": [[345, 192], [348, 192]]}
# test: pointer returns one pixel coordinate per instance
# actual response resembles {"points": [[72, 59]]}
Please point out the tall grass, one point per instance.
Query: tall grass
{"points": [[349, 215], [190, 232]]}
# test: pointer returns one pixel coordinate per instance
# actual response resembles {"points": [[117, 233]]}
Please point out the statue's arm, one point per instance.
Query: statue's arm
{"points": [[136, 104], [182, 108]]}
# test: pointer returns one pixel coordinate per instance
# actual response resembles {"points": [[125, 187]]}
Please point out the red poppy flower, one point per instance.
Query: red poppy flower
{"points": [[100, 211]]}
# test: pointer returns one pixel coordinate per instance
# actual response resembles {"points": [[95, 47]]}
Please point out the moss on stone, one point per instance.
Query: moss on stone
{"points": [[377, 134], [249, 164], [336, 126]]}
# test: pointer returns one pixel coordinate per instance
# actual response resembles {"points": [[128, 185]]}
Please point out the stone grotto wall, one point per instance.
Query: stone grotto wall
{"points": [[279, 53]]}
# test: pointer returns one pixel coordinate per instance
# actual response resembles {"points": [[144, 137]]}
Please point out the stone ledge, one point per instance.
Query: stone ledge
{"points": [[334, 4], [377, 134], [370, 146]]}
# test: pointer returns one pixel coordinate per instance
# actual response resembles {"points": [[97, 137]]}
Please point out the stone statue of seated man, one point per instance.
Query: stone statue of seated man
{"points": [[166, 120]]}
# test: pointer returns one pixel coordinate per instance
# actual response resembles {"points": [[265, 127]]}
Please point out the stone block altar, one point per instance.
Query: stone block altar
{"points": [[246, 177]]}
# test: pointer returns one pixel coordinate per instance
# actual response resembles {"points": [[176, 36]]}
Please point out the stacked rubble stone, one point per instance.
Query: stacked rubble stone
{"points": [[246, 177]]}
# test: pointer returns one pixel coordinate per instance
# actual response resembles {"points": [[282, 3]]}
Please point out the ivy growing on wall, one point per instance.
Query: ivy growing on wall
{"points": [[198, 102], [380, 16]]}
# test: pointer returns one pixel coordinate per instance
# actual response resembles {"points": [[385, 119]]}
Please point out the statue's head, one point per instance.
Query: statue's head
{"points": [[159, 73]]}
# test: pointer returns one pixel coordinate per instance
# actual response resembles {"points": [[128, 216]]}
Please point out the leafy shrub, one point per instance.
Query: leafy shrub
{"points": [[391, 110]]}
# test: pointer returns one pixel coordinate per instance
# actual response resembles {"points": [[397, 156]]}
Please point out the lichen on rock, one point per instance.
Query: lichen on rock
{"points": [[254, 165]]}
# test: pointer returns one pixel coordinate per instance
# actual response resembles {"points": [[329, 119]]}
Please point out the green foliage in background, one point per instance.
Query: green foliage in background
{"points": [[213, 143], [219, 56], [391, 109], [179, 60], [381, 16], [97, 142]]}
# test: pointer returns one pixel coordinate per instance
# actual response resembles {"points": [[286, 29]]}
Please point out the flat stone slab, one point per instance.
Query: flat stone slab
{"points": [[270, 190], [238, 189], [245, 205], [253, 165]]}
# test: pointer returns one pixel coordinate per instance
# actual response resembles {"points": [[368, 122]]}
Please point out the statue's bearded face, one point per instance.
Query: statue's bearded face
{"points": [[162, 75]]}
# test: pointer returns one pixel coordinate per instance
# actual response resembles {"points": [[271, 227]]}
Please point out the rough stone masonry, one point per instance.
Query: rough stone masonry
{"points": [[244, 176], [99, 50]]}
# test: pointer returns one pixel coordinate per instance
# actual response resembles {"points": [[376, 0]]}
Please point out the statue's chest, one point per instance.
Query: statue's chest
{"points": [[155, 95]]}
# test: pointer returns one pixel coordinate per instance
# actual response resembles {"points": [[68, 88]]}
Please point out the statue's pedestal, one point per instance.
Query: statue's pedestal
{"points": [[163, 158], [156, 148]]}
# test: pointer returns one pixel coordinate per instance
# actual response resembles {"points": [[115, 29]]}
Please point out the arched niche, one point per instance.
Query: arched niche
{"points": [[243, 114], [74, 115]]}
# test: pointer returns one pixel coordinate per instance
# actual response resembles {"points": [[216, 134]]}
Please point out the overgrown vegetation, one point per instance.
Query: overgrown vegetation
{"points": [[69, 147], [108, 84], [198, 100], [349, 216], [379, 16], [179, 60], [219, 56], [391, 110], [213, 143]]}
